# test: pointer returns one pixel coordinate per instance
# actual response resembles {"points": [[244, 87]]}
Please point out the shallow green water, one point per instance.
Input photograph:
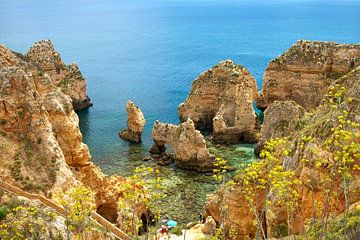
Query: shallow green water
{"points": [[185, 190]]}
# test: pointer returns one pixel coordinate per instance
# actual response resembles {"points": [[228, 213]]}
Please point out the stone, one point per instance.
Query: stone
{"points": [[281, 118], [287, 118], [222, 99], [135, 123], [304, 72], [67, 77], [189, 146], [40, 134], [209, 227]]}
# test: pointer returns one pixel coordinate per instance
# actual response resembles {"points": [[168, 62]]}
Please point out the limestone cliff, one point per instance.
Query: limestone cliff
{"points": [[304, 72], [222, 99], [281, 118], [41, 147], [68, 78], [188, 144], [135, 123], [306, 135]]}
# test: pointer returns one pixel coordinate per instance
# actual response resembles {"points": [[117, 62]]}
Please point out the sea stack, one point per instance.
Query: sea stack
{"points": [[135, 123], [222, 100], [188, 144]]}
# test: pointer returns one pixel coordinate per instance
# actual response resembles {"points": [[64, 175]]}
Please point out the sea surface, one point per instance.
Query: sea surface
{"points": [[151, 51]]}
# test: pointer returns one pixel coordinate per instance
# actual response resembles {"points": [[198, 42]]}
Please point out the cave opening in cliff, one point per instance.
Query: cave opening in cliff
{"points": [[109, 212], [147, 220]]}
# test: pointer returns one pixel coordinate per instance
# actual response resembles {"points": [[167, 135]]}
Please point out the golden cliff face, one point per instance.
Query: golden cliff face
{"points": [[304, 72], [32, 153], [68, 78], [41, 148], [318, 125], [222, 99]]}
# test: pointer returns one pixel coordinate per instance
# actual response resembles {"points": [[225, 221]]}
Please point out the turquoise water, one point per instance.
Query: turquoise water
{"points": [[150, 52]]}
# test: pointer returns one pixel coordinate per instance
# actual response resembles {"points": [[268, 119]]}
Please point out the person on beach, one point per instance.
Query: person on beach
{"points": [[163, 233]]}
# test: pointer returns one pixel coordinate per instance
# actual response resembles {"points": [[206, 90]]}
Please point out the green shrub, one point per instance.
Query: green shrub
{"points": [[176, 230], [337, 228], [3, 212]]}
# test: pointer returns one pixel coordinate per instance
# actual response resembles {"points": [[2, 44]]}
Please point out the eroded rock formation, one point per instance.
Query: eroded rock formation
{"points": [[306, 136], [304, 72], [68, 78], [222, 99], [281, 118], [41, 147], [135, 123], [188, 144]]}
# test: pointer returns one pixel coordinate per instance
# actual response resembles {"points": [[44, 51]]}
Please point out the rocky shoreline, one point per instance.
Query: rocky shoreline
{"points": [[42, 149]]}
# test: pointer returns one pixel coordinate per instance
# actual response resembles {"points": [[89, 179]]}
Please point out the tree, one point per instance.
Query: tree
{"points": [[143, 190]]}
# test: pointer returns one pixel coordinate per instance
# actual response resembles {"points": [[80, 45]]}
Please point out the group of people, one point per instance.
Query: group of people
{"points": [[163, 233]]}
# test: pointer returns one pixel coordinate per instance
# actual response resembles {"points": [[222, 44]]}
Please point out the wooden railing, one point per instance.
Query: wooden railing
{"points": [[63, 212]]}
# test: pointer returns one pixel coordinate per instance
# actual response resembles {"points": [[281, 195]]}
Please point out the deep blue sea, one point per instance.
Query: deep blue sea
{"points": [[151, 51]]}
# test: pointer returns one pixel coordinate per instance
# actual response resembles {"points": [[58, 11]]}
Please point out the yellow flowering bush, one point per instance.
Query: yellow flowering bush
{"points": [[29, 222]]}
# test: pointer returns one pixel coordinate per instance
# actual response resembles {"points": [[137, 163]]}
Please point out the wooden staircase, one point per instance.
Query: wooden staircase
{"points": [[94, 216]]}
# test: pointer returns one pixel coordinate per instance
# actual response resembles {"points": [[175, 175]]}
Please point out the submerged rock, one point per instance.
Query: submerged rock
{"points": [[304, 72], [188, 144], [135, 123], [222, 99], [68, 78]]}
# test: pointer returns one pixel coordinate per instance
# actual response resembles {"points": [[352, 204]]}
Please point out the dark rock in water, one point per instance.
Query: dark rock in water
{"points": [[163, 163], [157, 149], [79, 105], [157, 156]]}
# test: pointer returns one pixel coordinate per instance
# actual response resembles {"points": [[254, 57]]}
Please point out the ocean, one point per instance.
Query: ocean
{"points": [[151, 51]]}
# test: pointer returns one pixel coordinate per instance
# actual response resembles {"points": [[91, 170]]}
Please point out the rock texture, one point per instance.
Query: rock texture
{"points": [[68, 78], [281, 118], [135, 123], [222, 99], [209, 226], [41, 147], [304, 72], [317, 125], [188, 144]]}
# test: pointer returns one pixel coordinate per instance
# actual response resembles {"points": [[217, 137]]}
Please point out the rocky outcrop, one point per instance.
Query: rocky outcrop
{"points": [[222, 99], [41, 147], [307, 133], [188, 144], [304, 72], [68, 78], [281, 118], [135, 123], [209, 226]]}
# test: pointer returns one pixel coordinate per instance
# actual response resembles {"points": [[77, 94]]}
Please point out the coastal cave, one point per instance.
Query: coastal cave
{"points": [[108, 211]]}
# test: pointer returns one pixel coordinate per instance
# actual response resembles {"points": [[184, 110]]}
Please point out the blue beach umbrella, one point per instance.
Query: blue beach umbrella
{"points": [[171, 223]]}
